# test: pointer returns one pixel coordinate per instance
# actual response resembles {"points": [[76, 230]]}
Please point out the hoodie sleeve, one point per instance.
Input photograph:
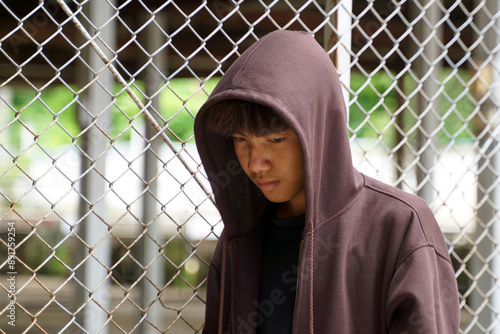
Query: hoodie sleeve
{"points": [[423, 295]]}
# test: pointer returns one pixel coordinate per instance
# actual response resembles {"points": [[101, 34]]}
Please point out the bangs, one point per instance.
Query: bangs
{"points": [[228, 117]]}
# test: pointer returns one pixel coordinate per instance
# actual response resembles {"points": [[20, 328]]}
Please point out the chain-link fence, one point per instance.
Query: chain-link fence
{"points": [[107, 222]]}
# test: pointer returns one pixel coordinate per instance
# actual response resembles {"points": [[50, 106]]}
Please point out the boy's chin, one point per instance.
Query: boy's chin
{"points": [[275, 199]]}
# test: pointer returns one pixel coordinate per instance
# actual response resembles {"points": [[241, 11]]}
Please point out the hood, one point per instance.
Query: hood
{"points": [[289, 72]]}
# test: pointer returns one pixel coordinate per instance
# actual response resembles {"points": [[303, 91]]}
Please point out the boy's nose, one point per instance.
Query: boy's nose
{"points": [[258, 162]]}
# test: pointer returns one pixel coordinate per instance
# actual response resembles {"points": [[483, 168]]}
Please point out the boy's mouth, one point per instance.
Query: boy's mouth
{"points": [[267, 185]]}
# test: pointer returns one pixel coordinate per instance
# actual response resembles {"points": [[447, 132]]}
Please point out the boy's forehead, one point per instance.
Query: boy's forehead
{"points": [[265, 133]]}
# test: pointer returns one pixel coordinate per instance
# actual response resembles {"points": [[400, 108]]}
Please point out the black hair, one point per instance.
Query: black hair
{"points": [[231, 116]]}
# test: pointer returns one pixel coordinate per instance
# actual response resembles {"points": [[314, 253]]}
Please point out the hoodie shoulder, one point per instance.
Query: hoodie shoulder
{"points": [[412, 201], [422, 229]]}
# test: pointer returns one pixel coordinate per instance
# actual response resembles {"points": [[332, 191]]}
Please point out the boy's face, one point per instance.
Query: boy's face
{"points": [[274, 163]]}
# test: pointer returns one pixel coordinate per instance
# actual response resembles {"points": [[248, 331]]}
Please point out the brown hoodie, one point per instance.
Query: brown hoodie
{"points": [[373, 259]]}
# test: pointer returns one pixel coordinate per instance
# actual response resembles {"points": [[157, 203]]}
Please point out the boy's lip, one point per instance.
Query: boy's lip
{"points": [[267, 185]]}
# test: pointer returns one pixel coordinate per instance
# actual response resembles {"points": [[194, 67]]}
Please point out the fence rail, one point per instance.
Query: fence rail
{"points": [[107, 219]]}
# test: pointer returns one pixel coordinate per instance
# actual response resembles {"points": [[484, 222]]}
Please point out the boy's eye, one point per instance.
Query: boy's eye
{"points": [[277, 140], [238, 138]]}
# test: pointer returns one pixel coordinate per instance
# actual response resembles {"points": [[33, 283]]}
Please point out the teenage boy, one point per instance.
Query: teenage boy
{"points": [[310, 245]]}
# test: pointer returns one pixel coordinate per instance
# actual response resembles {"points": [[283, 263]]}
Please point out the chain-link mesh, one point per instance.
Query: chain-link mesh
{"points": [[107, 220]]}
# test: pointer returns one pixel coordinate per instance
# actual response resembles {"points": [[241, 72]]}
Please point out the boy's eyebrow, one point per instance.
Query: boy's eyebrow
{"points": [[286, 131]]}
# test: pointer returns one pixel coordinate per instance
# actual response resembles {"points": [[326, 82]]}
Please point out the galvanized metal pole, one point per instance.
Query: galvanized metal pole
{"points": [[94, 274], [342, 20], [428, 65], [399, 137], [154, 267], [485, 266]]}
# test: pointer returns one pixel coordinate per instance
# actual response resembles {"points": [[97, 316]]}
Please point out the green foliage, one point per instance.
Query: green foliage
{"points": [[178, 273], [54, 267], [375, 104], [180, 103], [372, 106], [124, 112], [50, 117], [456, 105]]}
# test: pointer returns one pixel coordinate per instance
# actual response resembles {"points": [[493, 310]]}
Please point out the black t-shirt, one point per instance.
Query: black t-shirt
{"points": [[278, 279]]}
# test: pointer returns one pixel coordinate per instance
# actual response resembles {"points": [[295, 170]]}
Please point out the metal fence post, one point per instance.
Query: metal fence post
{"points": [[152, 284], [341, 41], [97, 249], [428, 66], [484, 265]]}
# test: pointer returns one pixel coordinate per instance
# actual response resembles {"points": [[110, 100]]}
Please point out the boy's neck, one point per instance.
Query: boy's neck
{"points": [[286, 210]]}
